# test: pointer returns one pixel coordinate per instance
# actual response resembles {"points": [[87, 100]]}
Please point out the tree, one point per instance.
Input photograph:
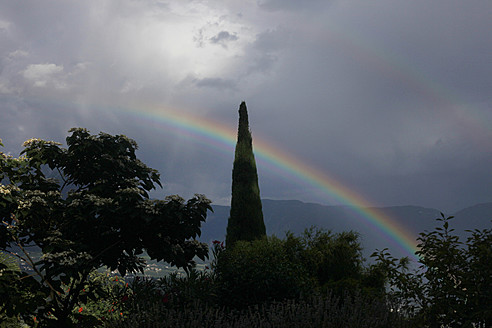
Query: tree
{"points": [[85, 207], [458, 287], [246, 216], [453, 286], [318, 261]]}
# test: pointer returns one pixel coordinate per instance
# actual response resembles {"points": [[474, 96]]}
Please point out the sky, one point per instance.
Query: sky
{"points": [[390, 101]]}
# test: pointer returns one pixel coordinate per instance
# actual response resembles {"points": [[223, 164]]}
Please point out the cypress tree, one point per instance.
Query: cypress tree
{"points": [[246, 216]]}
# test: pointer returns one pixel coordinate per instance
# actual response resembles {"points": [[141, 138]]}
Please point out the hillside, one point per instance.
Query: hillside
{"points": [[295, 216]]}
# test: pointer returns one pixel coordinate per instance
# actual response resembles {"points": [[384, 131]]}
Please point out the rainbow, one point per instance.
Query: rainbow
{"points": [[222, 137]]}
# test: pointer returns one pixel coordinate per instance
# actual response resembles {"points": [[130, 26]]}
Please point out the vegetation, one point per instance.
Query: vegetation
{"points": [[246, 219], [453, 286], [314, 311], [271, 269], [87, 209]]}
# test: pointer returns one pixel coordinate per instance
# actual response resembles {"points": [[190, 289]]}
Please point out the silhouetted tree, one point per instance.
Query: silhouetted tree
{"points": [[84, 207], [453, 286], [246, 216]]}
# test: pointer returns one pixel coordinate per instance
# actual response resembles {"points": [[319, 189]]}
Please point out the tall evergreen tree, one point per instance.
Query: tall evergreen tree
{"points": [[246, 217]]}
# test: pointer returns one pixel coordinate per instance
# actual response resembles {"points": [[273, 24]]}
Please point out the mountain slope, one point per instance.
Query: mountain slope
{"points": [[295, 216]]}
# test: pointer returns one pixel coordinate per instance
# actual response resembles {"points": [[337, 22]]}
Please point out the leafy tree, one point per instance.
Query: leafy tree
{"points": [[405, 293], [478, 282], [335, 262], [444, 259], [332, 256], [453, 286], [246, 216], [85, 206], [458, 290]]}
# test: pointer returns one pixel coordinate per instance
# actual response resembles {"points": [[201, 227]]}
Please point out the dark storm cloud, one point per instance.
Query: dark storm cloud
{"points": [[390, 98], [266, 49], [377, 99], [223, 38], [440, 41]]}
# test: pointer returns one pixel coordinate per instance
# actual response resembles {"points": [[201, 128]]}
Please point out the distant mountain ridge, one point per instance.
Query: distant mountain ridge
{"points": [[295, 216]]}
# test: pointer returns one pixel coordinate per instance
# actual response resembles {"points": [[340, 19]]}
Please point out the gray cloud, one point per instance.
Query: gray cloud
{"points": [[42, 74], [291, 5], [4, 26], [215, 83], [223, 38], [391, 99]]}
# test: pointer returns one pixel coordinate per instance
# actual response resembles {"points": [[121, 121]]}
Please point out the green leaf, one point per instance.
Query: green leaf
{"points": [[102, 217]]}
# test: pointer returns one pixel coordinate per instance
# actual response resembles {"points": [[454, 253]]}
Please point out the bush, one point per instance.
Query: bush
{"points": [[452, 287], [259, 271], [273, 269], [335, 261], [103, 298], [184, 290]]}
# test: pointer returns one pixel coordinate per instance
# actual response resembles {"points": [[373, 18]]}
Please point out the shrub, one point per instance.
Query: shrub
{"points": [[452, 287], [259, 271], [273, 269], [103, 298], [335, 262], [184, 290]]}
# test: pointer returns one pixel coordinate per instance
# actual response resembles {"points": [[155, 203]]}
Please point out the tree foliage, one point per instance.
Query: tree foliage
{"points": [[318, 261], [257, 272], [84, 207], [246, 218], [453, 285]]}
